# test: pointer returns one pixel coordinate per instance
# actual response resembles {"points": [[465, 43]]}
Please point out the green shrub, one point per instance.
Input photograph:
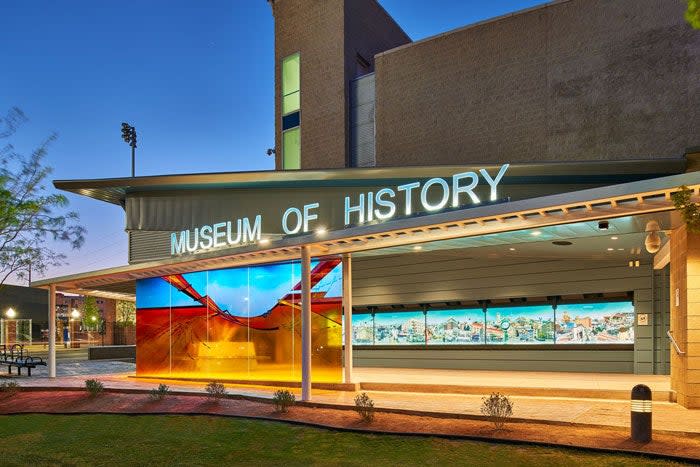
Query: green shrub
{"points": [[159, 393], [283, 399], [9, 388], [216, 390], [364, 406], [94, 387], [497, 408]]}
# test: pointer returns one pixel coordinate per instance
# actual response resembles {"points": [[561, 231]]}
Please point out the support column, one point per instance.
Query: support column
{"points": [[347, 316], [52, 331], [685, 317], [305, 323]]}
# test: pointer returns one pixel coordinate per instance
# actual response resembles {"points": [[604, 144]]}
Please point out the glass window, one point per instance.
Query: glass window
{"points": [[581, 323], [595, 323], [399, 328], [520, 325], [291, 149], [363, 329], [455, 327], [290, 84]]}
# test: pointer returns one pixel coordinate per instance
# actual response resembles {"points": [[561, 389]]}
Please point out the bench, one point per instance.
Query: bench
{"points": [[15, 356]]}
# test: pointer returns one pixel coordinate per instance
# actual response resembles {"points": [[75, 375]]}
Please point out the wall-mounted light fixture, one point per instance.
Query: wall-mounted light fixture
{"points": [[653, 240]]}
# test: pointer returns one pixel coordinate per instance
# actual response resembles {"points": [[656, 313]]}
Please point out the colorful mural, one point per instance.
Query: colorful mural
{"points": [[581, 323], [240, 323]]}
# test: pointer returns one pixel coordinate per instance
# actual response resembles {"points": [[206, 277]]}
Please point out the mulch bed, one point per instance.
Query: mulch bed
{"points": [[591, 437]]}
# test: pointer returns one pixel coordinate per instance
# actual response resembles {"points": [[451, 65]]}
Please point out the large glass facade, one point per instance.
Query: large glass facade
{"points": [[241, 323], [580, 323]]}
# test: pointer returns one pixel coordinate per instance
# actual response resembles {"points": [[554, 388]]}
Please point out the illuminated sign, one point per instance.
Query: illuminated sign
{"points": [[433, 195]]}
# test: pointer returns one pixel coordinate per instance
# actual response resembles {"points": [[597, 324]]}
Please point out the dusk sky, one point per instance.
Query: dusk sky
{"points": [[194, 78]]}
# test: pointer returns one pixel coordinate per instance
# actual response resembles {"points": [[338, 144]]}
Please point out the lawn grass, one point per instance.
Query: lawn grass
{"points": [[200, 440]]}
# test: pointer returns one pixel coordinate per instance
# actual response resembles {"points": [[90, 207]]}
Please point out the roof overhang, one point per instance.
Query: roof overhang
{"points": [[626, 199], [115, 190]]}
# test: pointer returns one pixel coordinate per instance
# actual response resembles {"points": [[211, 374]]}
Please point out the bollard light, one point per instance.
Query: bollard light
{"points": [[641, 414]]}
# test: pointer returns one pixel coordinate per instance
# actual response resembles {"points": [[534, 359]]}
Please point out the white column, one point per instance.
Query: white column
{"points": [[52, 331], [347, 315], [305, 323]]}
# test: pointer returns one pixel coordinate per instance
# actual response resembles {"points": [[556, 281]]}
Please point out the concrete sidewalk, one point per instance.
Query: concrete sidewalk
{"points": [[667, 416]]}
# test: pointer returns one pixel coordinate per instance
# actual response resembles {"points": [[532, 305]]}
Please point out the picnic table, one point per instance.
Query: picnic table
{"points": [[15, 356]]}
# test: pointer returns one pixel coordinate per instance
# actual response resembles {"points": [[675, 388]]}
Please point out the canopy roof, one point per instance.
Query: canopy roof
{"points": [[114, 190], [639, 197]]}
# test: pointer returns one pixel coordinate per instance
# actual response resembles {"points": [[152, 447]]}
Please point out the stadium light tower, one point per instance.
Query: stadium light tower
{"points": [[129, 136]]}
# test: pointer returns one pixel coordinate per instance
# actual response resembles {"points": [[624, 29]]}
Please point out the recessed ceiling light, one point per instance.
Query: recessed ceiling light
{"points": [[536, 233], [611, 249], [417, 247], [562, 243], [511, 249], [613, 238], [620, 249]]}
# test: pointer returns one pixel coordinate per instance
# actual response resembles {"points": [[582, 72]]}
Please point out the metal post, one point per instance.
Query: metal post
{"points": [[640, 416], [52, 331], [305, 323], [133, 161], [347, 313]]}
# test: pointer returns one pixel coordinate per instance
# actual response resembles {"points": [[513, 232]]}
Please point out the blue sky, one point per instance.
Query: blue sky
{"points": [[195, 78]]}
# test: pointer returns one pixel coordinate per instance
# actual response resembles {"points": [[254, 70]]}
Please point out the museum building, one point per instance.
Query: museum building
{"points": [[497, 197]]}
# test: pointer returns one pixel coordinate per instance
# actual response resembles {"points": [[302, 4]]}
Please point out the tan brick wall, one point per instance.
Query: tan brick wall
{"points": [[576, 80], [328, 34], [314, 28], [685, 318]]}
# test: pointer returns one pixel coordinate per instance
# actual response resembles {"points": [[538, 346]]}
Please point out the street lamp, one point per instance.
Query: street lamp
{"points": [[10, 313], [129, 136]]}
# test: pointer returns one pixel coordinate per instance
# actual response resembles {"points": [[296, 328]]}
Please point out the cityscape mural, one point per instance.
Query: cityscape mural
{"points": [[584, 323]]}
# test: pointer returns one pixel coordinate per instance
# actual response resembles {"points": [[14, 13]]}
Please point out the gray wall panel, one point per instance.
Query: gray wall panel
{"points": [[362, 128], [430, 277]]}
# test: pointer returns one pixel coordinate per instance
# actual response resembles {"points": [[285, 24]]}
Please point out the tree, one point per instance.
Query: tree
{"points": [[29, 216], [126, 312], [90, 311], [692, 14]]}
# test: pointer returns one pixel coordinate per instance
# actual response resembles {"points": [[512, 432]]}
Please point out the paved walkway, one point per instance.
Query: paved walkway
{"points": [[666, 417], [515, 379]]}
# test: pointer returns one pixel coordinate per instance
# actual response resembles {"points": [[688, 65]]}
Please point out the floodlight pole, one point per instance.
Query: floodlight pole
{"points": [[129, 137]]}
